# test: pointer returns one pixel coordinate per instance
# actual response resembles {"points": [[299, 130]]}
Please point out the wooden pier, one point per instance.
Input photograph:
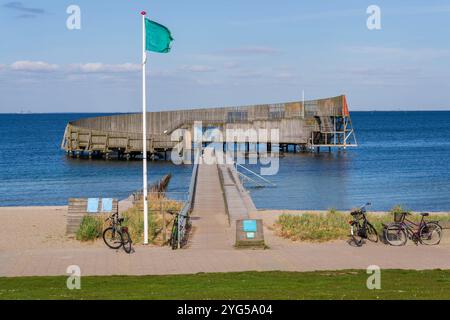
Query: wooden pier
{"points": [[220, 200], [302, 126]]}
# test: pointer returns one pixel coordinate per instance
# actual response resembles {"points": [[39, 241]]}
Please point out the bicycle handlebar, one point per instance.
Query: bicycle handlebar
{"points": [[366, 205], [363, 207], [173, 212], [111, 216]]}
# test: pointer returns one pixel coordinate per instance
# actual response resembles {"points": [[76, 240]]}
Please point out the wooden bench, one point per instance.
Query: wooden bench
{"points": [[78, 208]]}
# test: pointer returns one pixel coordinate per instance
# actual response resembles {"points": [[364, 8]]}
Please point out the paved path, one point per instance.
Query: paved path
{"points": [[282, 255]]}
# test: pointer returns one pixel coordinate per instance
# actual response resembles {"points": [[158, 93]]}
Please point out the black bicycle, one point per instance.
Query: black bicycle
{"points": [[361, 228], [424, 232], [116, 236], [173, 241]]}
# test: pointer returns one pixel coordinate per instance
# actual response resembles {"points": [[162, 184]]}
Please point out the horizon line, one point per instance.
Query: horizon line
{"points": [[127, 112]]}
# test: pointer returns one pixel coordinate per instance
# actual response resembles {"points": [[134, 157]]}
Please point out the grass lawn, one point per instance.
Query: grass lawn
{"points": [[348, 284]]}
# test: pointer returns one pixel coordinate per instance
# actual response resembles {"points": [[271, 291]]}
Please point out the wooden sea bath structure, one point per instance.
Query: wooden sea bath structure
{"points": [[307, 125]]}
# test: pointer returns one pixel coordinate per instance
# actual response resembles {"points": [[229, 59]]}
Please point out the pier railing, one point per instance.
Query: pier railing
{"points": [[187, 208], [257, 179]]}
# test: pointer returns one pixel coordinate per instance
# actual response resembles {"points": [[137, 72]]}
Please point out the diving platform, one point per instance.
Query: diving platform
{"points": [[306, 125]]}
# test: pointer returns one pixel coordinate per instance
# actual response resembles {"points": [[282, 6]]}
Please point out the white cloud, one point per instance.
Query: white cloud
{"points": [[197, 68], [326, 16], [419, 10], [399, 53], [231, 65], [285, 75], [98, 67], [33, 66], [252, 50], [398, 72], [319, 15], [248, 74], [26, 12]]}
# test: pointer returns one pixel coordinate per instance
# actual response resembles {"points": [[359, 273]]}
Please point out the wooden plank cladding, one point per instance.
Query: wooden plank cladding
{"points": [[78, 208], [324, 122]]}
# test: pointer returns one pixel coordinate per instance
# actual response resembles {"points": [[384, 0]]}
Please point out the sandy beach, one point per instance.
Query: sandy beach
{"points": [[37, 228]]}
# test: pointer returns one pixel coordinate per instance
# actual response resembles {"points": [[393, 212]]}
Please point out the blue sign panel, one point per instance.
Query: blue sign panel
{"points": [[249, 225], [107, 204], [92, 205]]}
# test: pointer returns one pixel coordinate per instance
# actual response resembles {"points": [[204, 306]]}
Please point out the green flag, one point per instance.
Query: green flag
{"points": [[157, 37]]}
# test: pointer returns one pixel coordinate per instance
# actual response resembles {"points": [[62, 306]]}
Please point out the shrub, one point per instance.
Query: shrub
{"points": [[90, 228]]}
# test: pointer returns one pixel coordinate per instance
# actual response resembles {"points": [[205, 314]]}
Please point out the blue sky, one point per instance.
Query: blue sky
{"points": [[229, 52]]}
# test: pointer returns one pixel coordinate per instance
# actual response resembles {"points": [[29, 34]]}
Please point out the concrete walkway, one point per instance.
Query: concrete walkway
{"points": [[282, 255]]}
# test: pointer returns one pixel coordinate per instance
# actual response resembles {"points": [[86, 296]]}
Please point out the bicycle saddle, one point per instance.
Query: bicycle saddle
{"points": [[425, 214]]}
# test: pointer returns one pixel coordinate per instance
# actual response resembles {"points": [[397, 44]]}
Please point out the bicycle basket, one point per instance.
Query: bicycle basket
{"points": [[399, 216]]}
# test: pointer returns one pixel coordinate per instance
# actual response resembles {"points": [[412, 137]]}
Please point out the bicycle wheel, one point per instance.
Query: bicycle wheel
{"points": [[126, 240], [372, 234], [430, 234], [112, 238], [395, 235], [356, 235]]}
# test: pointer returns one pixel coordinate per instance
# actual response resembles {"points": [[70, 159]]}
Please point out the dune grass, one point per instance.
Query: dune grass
{"points": [[158, 208], [90, 228], [334, 225], [346, 284]]}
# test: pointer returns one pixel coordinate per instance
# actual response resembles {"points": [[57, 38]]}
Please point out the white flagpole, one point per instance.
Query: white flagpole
{"points": [[144, 130]]}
